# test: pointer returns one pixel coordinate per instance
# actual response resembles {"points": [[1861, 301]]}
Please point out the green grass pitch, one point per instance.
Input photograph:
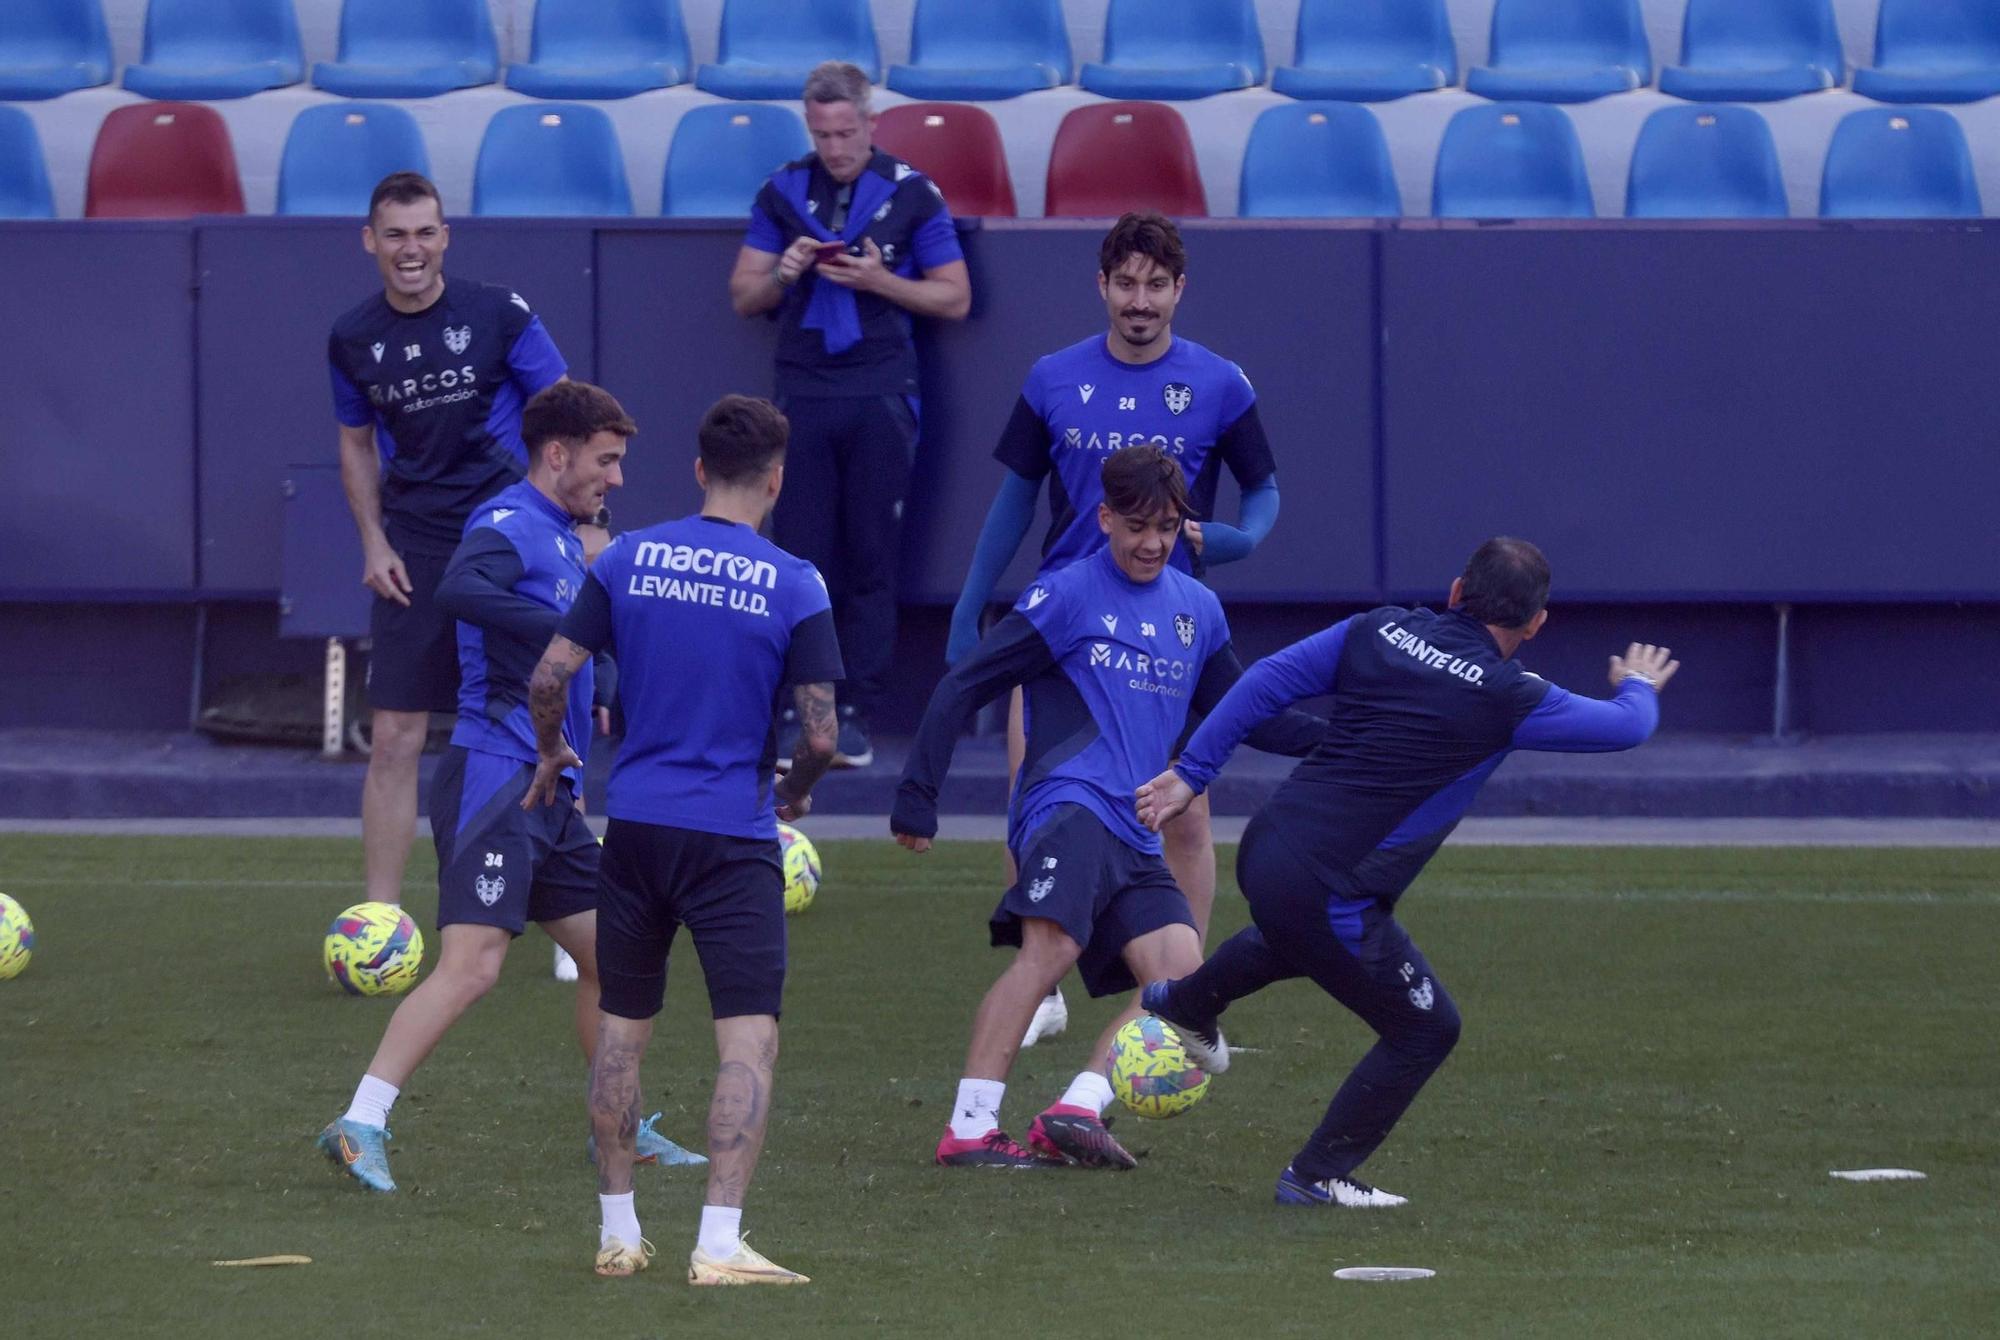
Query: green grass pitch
{"points": [[1665, 1052]]}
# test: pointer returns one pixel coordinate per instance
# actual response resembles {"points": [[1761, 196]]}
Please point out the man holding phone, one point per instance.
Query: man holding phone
{"points": [[844, 246]]}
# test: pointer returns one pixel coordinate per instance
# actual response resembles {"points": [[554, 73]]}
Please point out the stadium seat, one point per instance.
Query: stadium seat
{"points": [[1898, 163], [1564, 51], [410, 49], [336, 153], [1934, 51], [767, 47], [24, 172], [1737, 52], [721, 155], [956, 146], [1318, 160], [1370, 50], [162, 160], [551, 158], [50, 47], [1511, 160], [603, 49], [996, 49], [1705, 163], [1186, 49], [201, 49], [1110, 157]]}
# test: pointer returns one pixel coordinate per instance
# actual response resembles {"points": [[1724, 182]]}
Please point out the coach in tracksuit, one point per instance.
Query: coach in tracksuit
{"points": [[1425, 706]]}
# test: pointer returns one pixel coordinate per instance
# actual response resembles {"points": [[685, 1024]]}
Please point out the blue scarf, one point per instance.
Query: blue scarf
{"points": [[831, 310]]}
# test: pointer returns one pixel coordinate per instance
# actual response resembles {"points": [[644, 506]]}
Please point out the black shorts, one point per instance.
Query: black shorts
{"points": [[728, 891], [1075, 872], [501, 865], [413, 649]]}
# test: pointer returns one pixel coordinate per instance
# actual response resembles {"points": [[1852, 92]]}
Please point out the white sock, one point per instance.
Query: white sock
{"points": [[1089, 1089], [621, 1221], [721, 1227], [372, 1100], [978, 1108]]}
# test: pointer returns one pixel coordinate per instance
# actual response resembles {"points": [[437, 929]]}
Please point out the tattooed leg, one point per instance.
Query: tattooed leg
{"points": [[747, 1045], [614, 1098]]}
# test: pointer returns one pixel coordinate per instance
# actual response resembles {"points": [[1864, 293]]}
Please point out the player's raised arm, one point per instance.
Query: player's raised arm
{"points": [[478, 588], [1565, 722]]}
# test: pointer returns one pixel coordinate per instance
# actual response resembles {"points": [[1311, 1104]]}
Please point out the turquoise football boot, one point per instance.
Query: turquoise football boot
{"points": [[362, 1152], [653, 1148]]}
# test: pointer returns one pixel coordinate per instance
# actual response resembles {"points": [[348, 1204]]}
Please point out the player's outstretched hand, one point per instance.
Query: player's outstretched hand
{"points": [[382, 572], [1162, 800], [862, 272], [1643, 660], [548, 771], [919, 845]]}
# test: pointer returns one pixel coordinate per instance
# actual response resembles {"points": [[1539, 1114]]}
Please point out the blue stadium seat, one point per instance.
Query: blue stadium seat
{"points": [[24, 173], [410, 49], [604, 49], [1898, 163], [722, 154], [1511, 160], [1697, 162], [1318, 160], [1934, 51], [49, 47], [551, 158], [207, 49], [1370, 50], [1186, 49], [1564, 51], [767, 47], [336, 153], [1737, 52], [995, 49]]}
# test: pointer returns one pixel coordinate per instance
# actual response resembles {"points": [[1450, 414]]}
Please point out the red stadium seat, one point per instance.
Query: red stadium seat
{"points": [[1117, 156], [162, 160], [958, 147]]}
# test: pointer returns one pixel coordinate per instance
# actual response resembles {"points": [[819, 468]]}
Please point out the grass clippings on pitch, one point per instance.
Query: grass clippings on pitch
{"points": [[1665, 1052]]}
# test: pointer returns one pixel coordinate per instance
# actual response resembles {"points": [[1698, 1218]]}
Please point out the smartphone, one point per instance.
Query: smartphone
{"points": [[826, 251]]}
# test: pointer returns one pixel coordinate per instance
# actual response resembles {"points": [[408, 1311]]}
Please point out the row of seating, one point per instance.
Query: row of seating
{"points": [[1357, 50], [1303, 160]]}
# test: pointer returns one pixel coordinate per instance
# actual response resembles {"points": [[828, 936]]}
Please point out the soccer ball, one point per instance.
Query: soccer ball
{"points": [[17, 938], [1151, 1073], [801, 869], [374, 949]]}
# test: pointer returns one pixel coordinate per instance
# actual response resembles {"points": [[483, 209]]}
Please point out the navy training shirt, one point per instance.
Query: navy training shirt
{"points": [[1080, 404], [1424, 709], [517, 572], [710, 620], [444, 388], [914, 231]]}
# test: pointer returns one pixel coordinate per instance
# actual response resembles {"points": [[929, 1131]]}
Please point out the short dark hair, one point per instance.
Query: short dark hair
{"points": [[1146, 233], [403, 188], [1505, 583], [741, 436], [1144, 481], [572, 413]]}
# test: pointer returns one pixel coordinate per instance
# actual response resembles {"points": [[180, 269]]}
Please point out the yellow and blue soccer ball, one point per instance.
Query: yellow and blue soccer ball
{"points": [[17, 938], [1151, 1072], [374, 949], [801, 869]]}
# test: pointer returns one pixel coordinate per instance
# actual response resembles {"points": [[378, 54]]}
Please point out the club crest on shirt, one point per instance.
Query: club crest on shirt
{"points": [[1184, 629], [457, 338], [1179, 396]]}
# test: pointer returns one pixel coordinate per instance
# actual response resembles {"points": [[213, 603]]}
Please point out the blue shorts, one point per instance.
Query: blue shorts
{"points": [[501, 865], [728, 891], [1075, 872], [413, 648]]}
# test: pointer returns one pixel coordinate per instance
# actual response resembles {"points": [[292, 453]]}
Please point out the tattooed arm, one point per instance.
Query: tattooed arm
{"points": [[548, 703], [818, 730]]}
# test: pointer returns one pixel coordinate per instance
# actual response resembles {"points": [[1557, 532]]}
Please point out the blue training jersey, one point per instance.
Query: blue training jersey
{"points": [[444, 389], [1080, 404], [512, 578], [709, 621]]}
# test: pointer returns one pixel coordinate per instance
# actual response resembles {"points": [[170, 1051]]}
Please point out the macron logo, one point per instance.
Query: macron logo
{"points": [[502, 513], [1086, 390], [1110, 622], [1036, 597]]}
